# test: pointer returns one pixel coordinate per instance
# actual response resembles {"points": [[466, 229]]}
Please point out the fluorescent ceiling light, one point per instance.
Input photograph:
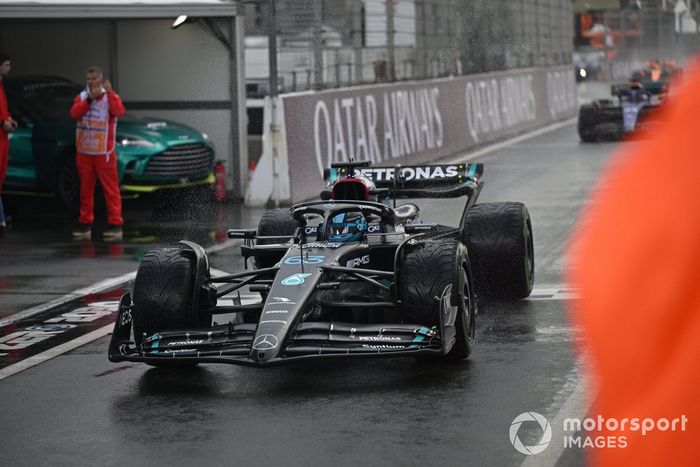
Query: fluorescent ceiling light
{"points": [[180, 19]]}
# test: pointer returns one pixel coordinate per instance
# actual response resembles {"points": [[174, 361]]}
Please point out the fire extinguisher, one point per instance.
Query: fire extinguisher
{"points": [[219, 182]]}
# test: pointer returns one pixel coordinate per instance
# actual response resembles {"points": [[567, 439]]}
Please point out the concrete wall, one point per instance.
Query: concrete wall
{"points": [[63, 48], [157, 63]]}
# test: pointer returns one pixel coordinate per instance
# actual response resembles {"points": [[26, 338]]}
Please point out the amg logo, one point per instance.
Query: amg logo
{"points": [[380, 338], [355, 262]]}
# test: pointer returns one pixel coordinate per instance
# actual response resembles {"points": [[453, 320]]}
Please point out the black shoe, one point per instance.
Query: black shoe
{"points": [[113, 233], [2, 230], [82, 232]]}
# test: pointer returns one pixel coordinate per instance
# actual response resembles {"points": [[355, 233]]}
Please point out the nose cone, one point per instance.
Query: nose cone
{"points": [[265, 347]]}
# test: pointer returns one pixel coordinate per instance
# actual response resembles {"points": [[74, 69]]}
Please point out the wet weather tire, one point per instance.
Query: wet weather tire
{"points": [[274, 222], [430, 269], [163, 293], [498, 237], [586, 124]]}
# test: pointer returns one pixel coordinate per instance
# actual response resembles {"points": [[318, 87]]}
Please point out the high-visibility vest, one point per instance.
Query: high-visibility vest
{"points": [[92, 131]]}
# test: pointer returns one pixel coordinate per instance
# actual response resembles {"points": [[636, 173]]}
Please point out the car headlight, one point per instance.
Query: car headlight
{"points": [[134, 142], [205, 136]]}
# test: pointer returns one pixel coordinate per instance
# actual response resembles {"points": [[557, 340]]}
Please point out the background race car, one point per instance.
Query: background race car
{"points": [[611, 119]]}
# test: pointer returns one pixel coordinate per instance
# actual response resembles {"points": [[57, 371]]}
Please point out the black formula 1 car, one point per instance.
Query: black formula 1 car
{"points": [[350, 275], [633, 108]]}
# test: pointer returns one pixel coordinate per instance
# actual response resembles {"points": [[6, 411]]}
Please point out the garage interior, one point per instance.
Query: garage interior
{"points": [[191, 74]]}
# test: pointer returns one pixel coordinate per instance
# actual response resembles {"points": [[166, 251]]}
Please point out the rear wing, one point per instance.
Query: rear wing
{"points": [[414, 181], [652, 87]]}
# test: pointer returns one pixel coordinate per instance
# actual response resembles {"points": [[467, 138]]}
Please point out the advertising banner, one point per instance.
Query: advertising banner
{"points": [[416, 122]]}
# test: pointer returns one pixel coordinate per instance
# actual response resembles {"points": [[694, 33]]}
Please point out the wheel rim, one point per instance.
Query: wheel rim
{"points": [[529, 252], [465, 302]]}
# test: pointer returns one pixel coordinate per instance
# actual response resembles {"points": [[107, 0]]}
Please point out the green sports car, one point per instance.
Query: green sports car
{"points": [[151, 154]]}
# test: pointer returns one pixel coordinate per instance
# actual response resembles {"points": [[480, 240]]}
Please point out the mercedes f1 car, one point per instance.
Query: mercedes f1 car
{"points": [[349, 275]]}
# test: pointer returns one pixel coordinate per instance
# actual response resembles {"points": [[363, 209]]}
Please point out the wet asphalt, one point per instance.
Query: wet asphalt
{"points": [[79, 409]]}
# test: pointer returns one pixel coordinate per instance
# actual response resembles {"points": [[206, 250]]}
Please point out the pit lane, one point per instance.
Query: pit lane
{"points": [[79, 408]]}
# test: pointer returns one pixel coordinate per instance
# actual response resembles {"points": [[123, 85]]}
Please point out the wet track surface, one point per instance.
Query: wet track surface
{"points": [[78, 409]]}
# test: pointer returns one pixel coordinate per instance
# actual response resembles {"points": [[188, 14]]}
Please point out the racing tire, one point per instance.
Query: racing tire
{"points": [[163, 294], [586, 124], [68, 184], [420, 291], [274, 222], [499, 239]]}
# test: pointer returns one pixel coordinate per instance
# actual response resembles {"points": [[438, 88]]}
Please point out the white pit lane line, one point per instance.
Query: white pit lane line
{"points": [[95, 288], [468, 156], [577, 405], [55, 351], [93, 335]]}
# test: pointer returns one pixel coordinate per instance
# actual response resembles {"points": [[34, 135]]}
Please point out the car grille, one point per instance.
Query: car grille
{"points": [[182, 160]]}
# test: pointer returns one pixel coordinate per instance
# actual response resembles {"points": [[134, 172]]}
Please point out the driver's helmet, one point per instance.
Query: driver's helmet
{"points": [[347, 227]]}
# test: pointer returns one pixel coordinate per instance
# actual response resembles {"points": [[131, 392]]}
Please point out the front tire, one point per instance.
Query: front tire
{"points": [[429, 270], [499, 240], [163, 294]]}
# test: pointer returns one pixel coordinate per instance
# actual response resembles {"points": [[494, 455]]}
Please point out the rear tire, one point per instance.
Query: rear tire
{"points": [[499, 240], [586, 123], [449, 272], [163, 294], [274, 222]]}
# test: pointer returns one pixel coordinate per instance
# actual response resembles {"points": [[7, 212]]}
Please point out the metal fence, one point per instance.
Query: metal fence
{"points": [[335, 43]]}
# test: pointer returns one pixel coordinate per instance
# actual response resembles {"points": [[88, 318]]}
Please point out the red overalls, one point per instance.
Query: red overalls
{"points": [[96, 157]]}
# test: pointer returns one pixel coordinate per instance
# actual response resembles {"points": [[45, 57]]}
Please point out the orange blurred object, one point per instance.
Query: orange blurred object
{"points": [[635, 256]]}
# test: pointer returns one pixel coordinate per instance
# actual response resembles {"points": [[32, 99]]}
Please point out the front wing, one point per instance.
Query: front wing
{"points": [[234, 343]]}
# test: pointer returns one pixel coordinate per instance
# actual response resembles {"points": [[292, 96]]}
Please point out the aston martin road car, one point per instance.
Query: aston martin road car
{"points": [[632, 109], [350, 275], [152, 155]]}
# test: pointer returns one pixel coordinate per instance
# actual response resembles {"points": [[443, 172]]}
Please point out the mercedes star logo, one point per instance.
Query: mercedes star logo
{"points": [[265, 342]]}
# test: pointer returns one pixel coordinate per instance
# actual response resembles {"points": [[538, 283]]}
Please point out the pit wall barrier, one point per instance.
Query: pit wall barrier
{"points": [[400, 123]]}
